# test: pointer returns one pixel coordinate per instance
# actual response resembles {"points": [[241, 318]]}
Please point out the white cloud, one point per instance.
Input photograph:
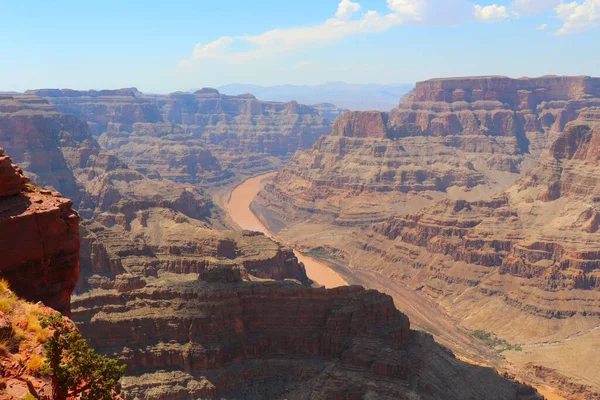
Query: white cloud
{"points": [[347, 9], [345, 23], [493, 13], [578, 17], [409, 8], [542, 27], [215, 49], [533, 7], [433, 12]]}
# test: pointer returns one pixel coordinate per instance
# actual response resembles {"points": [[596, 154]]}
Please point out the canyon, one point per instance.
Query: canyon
{"points": [[202, 138], [475, 194], [192, 308]]}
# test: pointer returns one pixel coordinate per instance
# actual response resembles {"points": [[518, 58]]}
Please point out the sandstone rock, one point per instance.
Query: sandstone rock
{"points": [[39, 243], [458, 138], [361, 124], [276, 340], [518, 259], [178, 136], [100, 108]]}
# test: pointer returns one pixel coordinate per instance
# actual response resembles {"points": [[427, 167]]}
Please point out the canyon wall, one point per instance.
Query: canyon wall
{"points": [[39, 240], [463, 138], [479, 194], [200, 138], [195, 311]]}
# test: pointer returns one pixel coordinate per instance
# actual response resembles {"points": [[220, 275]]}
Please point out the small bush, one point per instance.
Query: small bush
{"points": [[75, 369], [491, 340], [7, 303], [35, 363], [33, 324], [4, 347], [3, 286]]}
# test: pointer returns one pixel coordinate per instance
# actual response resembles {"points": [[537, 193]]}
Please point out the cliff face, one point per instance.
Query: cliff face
{"points": [[199, 312], [39, 240], [58, 151], [524, 264], [515, 257], [220, 337], [100, 108], [248, 136], [463, 138], [524, 93], [202, 138], [33, 132]]}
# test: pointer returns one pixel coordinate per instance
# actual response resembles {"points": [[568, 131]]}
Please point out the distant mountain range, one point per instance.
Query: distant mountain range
{"points": [[343, 95]]}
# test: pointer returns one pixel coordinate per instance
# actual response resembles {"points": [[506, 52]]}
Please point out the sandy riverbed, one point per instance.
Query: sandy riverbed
{"points": [[239, 211]]}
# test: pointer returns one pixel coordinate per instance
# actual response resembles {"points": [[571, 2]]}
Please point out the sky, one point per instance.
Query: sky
{"points": [[164, 46]]}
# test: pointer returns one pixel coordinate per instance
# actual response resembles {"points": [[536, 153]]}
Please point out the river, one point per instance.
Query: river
{"points": [[239, 211]]}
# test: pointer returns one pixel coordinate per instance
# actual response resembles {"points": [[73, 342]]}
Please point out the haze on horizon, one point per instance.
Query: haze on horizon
{"points": [[163, 47]]}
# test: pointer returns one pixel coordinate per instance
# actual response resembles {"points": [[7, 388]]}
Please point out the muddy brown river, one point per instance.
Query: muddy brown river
{"points": [[239, 211]]}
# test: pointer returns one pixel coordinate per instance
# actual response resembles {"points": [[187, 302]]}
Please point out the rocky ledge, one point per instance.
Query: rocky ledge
{"points": [[39, 240], [222, 339]]}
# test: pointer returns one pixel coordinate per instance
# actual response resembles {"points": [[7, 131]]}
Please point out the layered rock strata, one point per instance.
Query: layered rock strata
{"points": [[101, 108], [39, 240], [187, 306], [201, 138], [463, 138], [275, 340], [543, 230], [58, 151], [524, 264]]}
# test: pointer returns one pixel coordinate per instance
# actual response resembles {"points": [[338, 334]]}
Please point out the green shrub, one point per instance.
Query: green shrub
{"points": [[76, 369]]}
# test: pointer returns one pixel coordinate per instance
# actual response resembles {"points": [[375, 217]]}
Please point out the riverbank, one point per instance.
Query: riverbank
{"points": [[423, 314], [240, 213]]}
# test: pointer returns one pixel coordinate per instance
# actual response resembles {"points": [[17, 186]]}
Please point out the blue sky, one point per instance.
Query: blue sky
{"points": [[161, 46]]}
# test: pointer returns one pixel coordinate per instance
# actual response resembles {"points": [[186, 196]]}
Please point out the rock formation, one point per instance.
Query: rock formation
{"points": [[450, 138], [58, 151], [202, 138], [519, 260], [222, 337], [101, 108], [39, 240], [199, 312]]}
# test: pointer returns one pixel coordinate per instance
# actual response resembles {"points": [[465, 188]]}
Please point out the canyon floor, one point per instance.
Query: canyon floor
{"points": [[424, 314]]}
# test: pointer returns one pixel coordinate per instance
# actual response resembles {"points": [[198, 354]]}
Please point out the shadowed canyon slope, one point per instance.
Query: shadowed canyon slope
{"points": [[195, 311], [520, 261], [200, 138]]}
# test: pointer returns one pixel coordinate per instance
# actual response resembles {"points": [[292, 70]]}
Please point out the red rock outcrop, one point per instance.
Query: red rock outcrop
{"points": [[39, 240], [361, 124]]}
